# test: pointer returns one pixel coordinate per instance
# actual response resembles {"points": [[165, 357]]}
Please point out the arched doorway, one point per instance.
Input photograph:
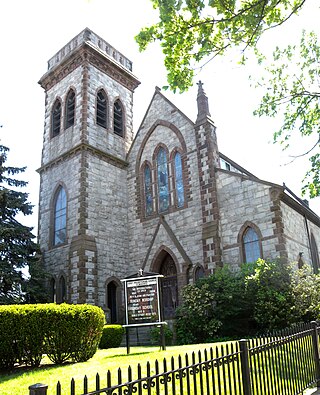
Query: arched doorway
{"points": [[112, 301], [169, 286]]}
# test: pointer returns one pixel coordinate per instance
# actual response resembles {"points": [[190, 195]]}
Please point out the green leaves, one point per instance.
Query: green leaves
{"points": [[191, 31], [292, 89]]}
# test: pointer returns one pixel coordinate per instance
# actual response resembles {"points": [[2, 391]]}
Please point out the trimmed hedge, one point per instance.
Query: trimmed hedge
{"points": [[61, 331], [111, 336]]}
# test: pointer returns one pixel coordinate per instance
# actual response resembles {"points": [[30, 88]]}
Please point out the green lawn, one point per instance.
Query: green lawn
{"points": [[18, 381]]}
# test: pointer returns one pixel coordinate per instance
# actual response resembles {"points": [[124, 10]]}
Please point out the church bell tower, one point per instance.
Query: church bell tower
{"points": [[88, 130]]}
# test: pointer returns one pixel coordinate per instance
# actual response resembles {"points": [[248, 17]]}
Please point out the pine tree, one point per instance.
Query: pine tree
{"points": [[18, 251]]}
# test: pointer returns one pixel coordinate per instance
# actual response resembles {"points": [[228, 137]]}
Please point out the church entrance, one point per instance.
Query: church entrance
{"points": [[169, 286]]}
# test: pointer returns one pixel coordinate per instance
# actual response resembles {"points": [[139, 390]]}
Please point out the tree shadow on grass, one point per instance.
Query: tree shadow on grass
{"points": [[6, 375]]}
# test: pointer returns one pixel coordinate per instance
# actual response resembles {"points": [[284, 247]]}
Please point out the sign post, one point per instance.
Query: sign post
{"points": [[143, 302]]}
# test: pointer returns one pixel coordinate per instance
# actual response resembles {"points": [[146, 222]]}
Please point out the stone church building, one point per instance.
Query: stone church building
{"points": [[163, 198]]}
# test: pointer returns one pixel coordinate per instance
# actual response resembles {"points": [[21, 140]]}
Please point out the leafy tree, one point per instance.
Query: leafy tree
{"points": [[17, 248], [292, 88], [218, 305], [274, 303], [191, 31]]}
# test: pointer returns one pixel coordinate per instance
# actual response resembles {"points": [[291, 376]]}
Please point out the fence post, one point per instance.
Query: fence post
{"points": [[315, 341], [245, 368], [38, 389]]}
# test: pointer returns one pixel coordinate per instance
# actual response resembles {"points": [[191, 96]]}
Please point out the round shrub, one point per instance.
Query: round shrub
{"points": [[111, 336], [75, 332]]}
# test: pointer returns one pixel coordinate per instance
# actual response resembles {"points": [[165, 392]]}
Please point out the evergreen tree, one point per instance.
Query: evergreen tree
{"points": [[17, 248]]}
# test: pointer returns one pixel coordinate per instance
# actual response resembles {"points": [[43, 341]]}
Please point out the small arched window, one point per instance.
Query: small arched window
{"points": [[148, 190], [118, 118], [178, 180], [162, 175], [56, 119], [60, 218], [101, 116], [62, 289], [251, 245], [70, 109], [199, 273], [52, 290]]}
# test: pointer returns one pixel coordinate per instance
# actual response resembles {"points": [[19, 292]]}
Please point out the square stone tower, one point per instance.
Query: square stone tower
{"points": [[88, 131]]}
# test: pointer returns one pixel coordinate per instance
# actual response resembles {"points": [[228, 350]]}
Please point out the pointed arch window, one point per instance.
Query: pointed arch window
{"points": [[118, 118], [70, 108], [162, 174], [60, 218], [101, 116], [178, 179], [251, 245], [148, 190], [56, 119], [62, 290], [52, 290]]}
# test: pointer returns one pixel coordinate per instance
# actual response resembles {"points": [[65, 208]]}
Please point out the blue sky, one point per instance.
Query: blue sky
{"points": [[33, 31]]}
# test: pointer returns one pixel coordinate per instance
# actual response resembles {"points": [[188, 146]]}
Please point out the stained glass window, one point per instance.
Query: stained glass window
{"points": [[251, 245], [148, 190], [60, 218], [179, 179], [163, 188]]}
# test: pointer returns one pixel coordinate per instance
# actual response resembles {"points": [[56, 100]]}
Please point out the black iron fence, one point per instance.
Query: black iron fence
{"points": [[285, 363]]}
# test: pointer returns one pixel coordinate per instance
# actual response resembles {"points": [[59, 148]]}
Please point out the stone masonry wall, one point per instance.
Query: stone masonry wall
{"points": [[297, 234], [241, 200], [107, 220]]}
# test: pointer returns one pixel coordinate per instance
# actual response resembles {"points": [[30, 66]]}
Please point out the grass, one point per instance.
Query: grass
{"points": [[18, 381]]}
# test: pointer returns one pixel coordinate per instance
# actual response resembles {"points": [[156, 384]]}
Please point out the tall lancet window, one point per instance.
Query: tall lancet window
{"points": [[60, 218], [251, 245], [70, 108], [178, 179], [56, 119], [163, 188], [101, 115], [118, 118], [148, 190]]}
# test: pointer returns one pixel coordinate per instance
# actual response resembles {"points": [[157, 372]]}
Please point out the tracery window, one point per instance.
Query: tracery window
{"points": [[251, 245], [148, 190], [178, 179], [56, 119], [101, 115], [118, 118], [70, 109], [162, 175], [60, 217]]}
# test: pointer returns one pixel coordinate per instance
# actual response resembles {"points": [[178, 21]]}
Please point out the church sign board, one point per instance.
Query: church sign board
{"points": [[142, 300]]}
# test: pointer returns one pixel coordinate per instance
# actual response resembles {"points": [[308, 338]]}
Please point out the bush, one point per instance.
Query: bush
{"points": [[155, 334], [75, 332], [61, 331], [111, 336], [259, 298]]}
